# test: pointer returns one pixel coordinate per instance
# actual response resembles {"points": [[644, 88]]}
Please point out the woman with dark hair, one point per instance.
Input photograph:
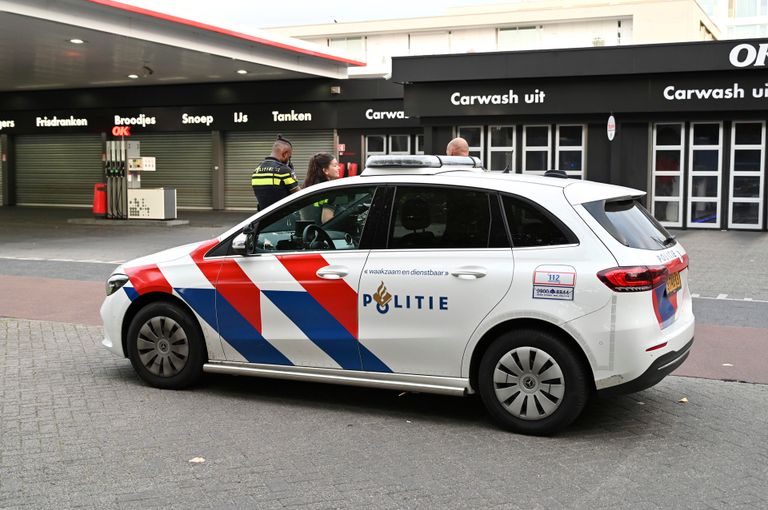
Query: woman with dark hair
{"points": [[322, 167]]}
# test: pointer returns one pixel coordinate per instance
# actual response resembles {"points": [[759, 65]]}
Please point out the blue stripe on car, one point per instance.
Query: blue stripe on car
{"points": [[232, 326], [325, 331]]}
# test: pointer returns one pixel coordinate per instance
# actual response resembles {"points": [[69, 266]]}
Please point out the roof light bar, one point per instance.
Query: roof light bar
{"points": [[422, 161]]}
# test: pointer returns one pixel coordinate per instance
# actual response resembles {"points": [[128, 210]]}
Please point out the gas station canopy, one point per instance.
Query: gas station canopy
{"points": [[65, 44]]}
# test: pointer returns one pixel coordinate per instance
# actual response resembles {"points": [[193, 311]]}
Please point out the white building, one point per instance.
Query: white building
{"points": [[739, 19], [544, 24]]}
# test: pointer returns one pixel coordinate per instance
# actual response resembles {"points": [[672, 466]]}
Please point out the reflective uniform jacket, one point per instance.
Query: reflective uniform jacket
{"points": [[271, 181]]}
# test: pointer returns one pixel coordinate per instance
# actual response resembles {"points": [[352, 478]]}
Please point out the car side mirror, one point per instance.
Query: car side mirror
{"points": [[239, 243], [250, 233], [244, 243]]}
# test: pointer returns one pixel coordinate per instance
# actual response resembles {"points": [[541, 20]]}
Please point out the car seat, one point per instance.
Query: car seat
{"points": [[415, 216]]}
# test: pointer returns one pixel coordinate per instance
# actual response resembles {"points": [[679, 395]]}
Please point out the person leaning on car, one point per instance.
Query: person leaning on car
{"points": [[457, 147], [274, 178]]}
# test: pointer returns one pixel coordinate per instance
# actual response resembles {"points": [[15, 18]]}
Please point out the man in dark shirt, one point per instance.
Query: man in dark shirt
{"points": [[273, 179]]}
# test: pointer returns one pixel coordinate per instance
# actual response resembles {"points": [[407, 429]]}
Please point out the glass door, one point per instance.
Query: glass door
{"points": [[667, 184], [745, 200], [501, 149], [705, 164]]}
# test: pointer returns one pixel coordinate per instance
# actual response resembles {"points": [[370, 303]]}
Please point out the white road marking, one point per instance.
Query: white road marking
{"points": [[751, 300], [694, 295], [722, 296], [83, 261]]}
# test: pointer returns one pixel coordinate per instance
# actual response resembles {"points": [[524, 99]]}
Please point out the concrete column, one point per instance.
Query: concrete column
{"points": [[217, 171]]}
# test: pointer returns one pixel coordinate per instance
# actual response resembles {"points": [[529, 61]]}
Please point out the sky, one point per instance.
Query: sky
{"points": [[248, 15]]}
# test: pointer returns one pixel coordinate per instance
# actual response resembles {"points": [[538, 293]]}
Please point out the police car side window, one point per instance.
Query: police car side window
{"points": [[531, 225], [440, 217], [341, 214]]}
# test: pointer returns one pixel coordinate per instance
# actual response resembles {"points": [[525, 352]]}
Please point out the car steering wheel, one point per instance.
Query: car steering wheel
{"points": [[315, 238]]}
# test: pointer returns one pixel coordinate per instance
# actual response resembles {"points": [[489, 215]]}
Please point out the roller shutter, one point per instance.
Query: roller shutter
{"points": [[183, 162], [57, 169], [2, 185], [244, 150]]}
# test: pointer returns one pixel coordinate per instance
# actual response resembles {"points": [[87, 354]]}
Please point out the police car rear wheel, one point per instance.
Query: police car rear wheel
{"points": [[165, 346], [532, 382]]}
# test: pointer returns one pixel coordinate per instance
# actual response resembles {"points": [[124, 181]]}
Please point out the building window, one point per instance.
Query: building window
{"points": [[519, 38], [419, 144], [536, 154], [375, 145], [749, 8], [474, 137], [354, 46], [747, 175], [705, 163], [569, 151], [399, 144], [667, 174], [501, 148]]}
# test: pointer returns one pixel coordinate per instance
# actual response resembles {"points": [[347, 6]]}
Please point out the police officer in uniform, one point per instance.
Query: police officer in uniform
{"points": [[274, 179]]}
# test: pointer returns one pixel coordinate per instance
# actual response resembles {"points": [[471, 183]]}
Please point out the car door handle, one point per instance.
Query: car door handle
{"points": [[469, 272], [332, 272]]}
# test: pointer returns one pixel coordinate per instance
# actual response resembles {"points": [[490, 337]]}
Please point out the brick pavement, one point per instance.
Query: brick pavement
{"points": [[727, 262], [78, 430]]}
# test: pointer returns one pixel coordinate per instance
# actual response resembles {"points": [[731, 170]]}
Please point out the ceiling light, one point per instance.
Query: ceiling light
{"points": [[242, 71], [133, 76], [77, 41]]}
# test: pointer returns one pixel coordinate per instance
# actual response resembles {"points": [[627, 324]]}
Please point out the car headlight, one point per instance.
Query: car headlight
{"points": [[115, 283]]}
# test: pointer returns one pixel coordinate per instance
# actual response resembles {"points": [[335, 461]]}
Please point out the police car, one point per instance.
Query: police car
{"points": [[423, 274]]}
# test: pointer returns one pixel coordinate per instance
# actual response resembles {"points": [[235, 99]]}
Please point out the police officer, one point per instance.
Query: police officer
{"points": [[274, 178]]}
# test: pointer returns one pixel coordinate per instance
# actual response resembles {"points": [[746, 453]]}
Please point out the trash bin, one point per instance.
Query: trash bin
{"points": [[100, 200], [342, 171], [352, 169]]}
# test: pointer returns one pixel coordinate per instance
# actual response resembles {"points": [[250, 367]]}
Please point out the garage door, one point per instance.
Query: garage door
{"points": [[57, 169], [183, 162], [2, 185], [243, 151]]}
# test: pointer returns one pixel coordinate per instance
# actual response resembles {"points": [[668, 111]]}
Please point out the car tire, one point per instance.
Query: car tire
{"points": [[165, 346], [532, 382]]}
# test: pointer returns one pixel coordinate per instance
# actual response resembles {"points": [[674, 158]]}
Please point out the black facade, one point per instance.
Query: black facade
{"points": [[689, 120], [230, 126], [689, 123]]}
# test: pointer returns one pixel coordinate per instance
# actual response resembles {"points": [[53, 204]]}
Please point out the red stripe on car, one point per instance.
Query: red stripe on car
{"points": [[229, 279], [336, 296], [147, 279]]}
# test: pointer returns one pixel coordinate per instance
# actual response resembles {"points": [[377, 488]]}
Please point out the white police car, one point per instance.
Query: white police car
{"points": [[424, 274]]}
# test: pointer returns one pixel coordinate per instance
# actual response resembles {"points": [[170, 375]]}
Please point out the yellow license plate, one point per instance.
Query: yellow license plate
{"points": [[674, 283]]}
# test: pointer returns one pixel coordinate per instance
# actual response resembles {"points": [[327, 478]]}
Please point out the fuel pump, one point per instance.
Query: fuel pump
{"points": [[117, 197]]}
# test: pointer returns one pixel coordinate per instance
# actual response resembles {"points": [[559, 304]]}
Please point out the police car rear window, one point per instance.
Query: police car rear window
{"points": [[630, 224]]}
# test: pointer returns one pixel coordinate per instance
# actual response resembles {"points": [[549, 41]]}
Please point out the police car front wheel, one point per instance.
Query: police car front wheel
{"points": [[532, 382], [165, 346]]}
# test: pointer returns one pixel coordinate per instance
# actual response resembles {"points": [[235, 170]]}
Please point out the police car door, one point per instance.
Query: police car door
{"points": [[445, 265], [298, 291]]}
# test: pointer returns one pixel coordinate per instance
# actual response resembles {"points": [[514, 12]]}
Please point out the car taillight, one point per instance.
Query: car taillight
{"points": [[677, 265], [633, 278]]}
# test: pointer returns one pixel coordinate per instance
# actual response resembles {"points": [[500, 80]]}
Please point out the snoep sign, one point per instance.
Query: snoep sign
{"points": [[611, 128]]}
